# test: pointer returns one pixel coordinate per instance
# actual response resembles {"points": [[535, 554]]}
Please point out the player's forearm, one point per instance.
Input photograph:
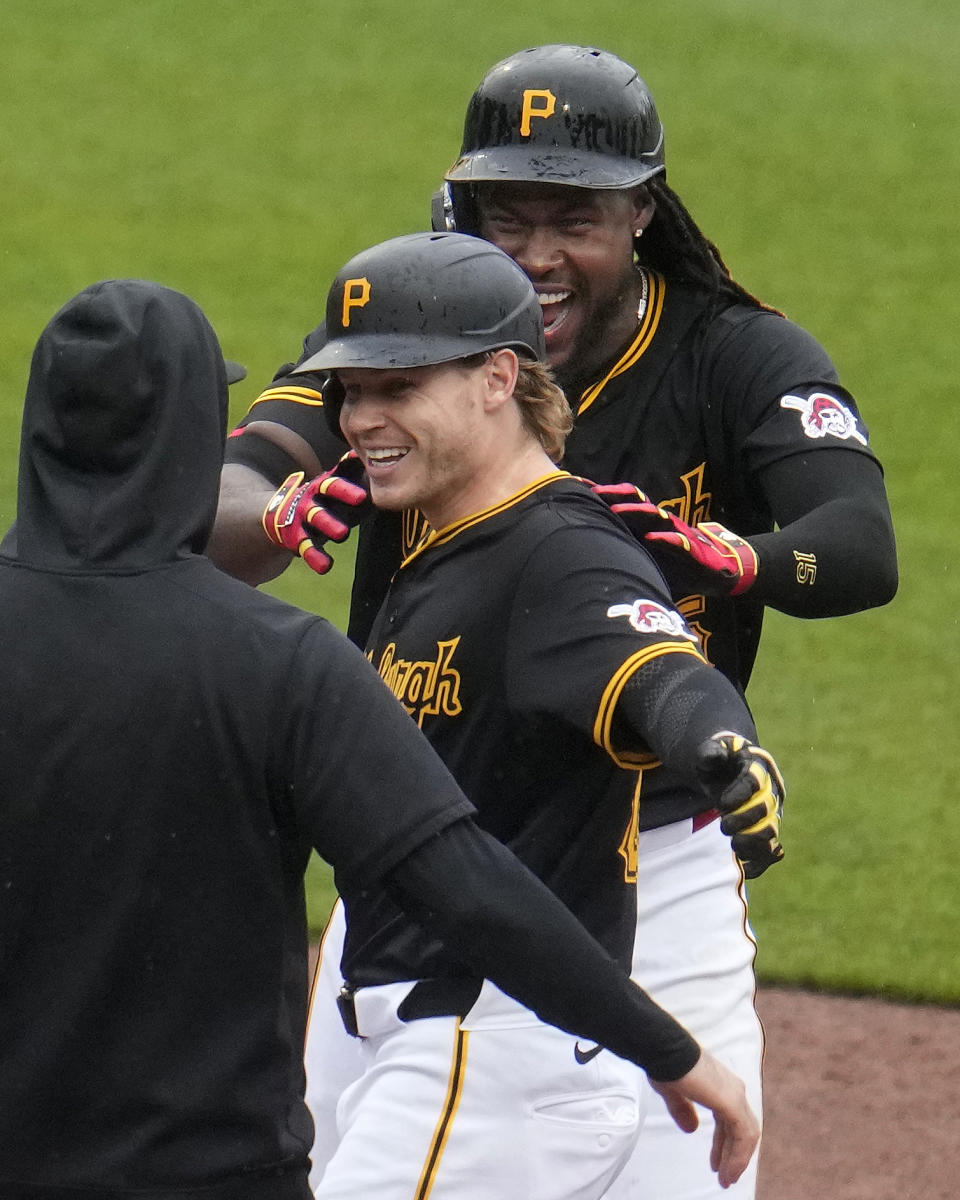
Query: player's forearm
{"points": [[501, 921], [673, 704], [238, 544], [259, 457], [834, 550], [840, 558]]}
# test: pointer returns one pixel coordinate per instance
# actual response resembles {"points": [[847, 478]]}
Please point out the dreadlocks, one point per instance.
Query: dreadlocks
{"points": [[674, 246]]}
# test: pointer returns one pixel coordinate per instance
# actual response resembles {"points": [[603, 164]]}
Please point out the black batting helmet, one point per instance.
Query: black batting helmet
{"points": [[421, 299], [557, 114]]}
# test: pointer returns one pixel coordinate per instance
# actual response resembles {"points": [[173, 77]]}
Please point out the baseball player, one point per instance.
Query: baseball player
{"points": [[549, 696], [174, 744], [729, 416]]}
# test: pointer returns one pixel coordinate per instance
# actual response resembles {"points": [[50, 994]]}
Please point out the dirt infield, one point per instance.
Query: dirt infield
{"points": [[862, 1099]]}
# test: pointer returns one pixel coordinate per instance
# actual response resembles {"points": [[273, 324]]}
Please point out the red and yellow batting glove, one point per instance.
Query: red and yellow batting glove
{"points": [[707, 556], [302, 517], [635, 507], [727, 558]]}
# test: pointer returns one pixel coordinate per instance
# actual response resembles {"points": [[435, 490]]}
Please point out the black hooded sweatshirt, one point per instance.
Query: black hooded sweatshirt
{"points": [[172, 744]]}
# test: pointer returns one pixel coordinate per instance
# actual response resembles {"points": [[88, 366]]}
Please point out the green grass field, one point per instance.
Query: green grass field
{"points": [[242, 152]]}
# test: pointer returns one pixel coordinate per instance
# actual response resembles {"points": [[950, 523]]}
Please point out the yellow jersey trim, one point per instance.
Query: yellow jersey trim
{"points": [[297, 395], [438, 537], [639, 345]]}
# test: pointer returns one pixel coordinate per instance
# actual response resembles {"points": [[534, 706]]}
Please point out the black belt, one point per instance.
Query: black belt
{"points": [[426, 998]]}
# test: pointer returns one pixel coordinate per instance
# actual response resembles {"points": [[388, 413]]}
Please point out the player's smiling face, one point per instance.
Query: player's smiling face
{"points": [[420, 434], [576, 246]]}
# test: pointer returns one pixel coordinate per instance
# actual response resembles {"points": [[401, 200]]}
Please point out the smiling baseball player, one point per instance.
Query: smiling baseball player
{"points": [[535, 644]]}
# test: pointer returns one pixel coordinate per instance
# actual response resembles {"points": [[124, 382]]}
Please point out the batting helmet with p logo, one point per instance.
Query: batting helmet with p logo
{"points": [[561, 114], [425, 298]]}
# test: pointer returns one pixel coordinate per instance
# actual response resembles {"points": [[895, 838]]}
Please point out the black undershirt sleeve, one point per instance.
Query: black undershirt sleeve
{"points": [[673, 704], [833, 551], [264, 457], [501, 920]]}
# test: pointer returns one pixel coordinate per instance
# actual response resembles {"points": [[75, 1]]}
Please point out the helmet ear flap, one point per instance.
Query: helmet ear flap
{"points": [[453, 209], [441, 211], [333, 397]]}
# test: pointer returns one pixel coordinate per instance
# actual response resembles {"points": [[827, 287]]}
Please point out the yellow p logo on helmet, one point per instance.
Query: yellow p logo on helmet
{"points": [[356, 293], [532, 109]]}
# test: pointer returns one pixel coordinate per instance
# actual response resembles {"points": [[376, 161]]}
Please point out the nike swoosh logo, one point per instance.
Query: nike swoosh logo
{"points": [[584, 1056]]}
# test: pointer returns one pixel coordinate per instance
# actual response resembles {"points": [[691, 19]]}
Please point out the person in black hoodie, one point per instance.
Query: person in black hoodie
{"points": [[172, 745]]}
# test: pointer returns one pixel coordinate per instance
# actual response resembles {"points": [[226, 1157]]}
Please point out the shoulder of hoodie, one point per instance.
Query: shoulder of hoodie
{"points": [[224, 604]]}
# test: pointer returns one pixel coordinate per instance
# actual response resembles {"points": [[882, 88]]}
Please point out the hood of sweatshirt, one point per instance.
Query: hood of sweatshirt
{"points": [[123, 432]]}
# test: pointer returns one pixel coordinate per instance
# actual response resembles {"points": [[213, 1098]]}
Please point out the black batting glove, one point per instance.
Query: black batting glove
{"points": [[303, 516], [748, 791], [708, 557]]}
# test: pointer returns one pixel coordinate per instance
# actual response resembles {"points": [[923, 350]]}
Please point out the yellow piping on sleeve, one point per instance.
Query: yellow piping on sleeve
{"points": [[603, 723]]}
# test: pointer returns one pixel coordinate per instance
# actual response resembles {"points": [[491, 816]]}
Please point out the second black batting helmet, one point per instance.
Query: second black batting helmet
{"points": [[421, 299], [557, 114]]}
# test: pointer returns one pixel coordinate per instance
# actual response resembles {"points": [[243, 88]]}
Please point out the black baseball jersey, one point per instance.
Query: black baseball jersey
{"points": [[707, 395], [509, 638], [697, 405]]}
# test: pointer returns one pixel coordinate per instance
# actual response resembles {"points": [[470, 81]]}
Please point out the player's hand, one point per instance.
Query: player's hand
{"points": [[728, 562], [736, 1131], [707, 557], [749, 792], [640, 513], [302, 517]]}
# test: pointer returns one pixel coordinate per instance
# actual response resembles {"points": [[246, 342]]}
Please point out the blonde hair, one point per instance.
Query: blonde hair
{"points": [[543, 406]]}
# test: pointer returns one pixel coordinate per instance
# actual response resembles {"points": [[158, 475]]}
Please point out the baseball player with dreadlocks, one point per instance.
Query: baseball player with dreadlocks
{"points": [[729, 416], [548, 701]]}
